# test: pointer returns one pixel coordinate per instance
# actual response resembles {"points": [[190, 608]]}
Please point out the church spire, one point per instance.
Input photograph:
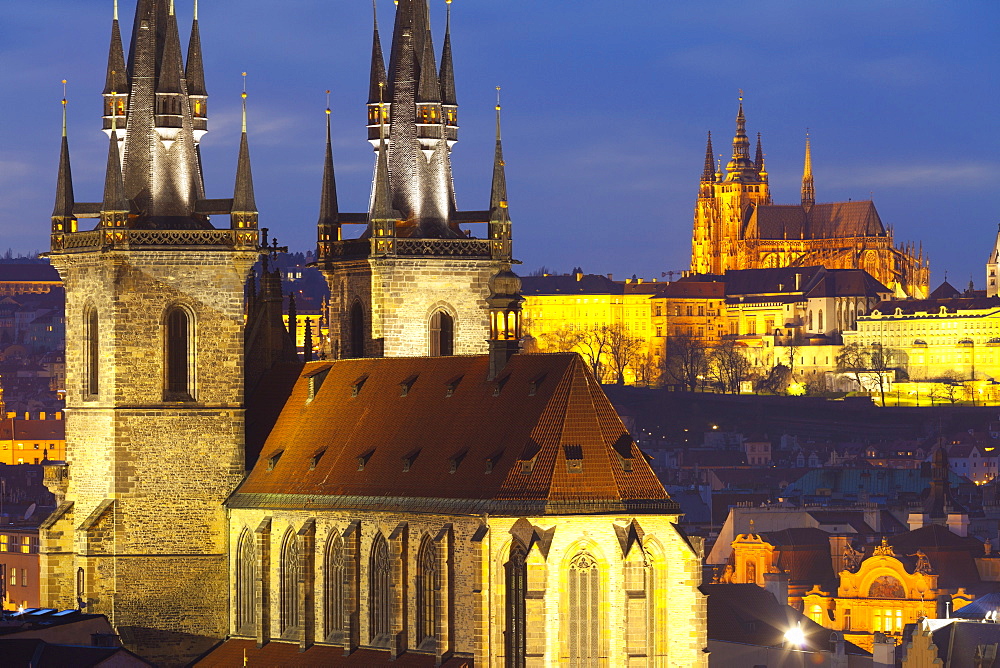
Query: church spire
{"points": [[740, 167], [378, 81], [329, 214], [992, 268], [244, 211], [708, 173], [115, 207], [194, 73], [808, 190], [499, 226], [448, 95], [62, 212], [381, 215], [116, 83], [759, 159]]}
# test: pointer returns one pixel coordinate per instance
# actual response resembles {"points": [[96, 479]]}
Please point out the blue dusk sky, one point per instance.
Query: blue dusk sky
{"points": [[606, 106]]}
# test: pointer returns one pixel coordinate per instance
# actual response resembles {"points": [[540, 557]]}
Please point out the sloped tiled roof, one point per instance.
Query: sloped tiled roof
{"points": [[592, 284], [933, 306], [32, 430], [822, 221], [433, 434]]}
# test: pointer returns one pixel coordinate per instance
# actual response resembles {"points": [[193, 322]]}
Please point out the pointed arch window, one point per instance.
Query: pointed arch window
{"points": [[179, 354], [442, 334], [333, 591], [428, 585], [379, 592], [516, 589], [639, 604], [246, 586], [92, 351], [584, 611], [357, 342], [289, 617]]}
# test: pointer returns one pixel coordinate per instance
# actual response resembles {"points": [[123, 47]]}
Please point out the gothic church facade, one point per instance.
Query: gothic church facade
{"points": [[737, 226], [426, 491]]}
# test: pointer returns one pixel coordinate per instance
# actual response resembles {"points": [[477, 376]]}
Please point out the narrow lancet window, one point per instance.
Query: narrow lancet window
{"points": [[333, 593], [93, 353], [356, 347], [289, 620], [246, 586], [379, 592], [442, 339], [516, 589], [584, 611], [178, 355], [427, 592]]}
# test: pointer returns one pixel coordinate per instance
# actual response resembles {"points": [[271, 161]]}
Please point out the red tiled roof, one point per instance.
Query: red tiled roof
{"points": [[434, 434], [231, 653], [32, 430]]}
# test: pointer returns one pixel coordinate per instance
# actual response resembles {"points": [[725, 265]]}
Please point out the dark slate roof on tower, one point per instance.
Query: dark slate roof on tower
{"points": [[116, 81], [171, 72], [542, 438], [195, 68], [243, 197], [328, 208], [64, 182], [378, 79], [114, 186], [447, 74]]}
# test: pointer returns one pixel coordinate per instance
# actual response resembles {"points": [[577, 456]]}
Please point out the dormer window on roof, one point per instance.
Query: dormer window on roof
{"points": [[404, 387], [357, 385], [456, 459], [492, 460], [409, 458], [452, 385], [574, 458], [272, 461], [315, 459], [363, 459]]}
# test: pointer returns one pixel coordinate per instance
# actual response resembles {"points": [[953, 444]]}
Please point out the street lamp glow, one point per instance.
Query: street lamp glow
{"points": [[795, 636]]}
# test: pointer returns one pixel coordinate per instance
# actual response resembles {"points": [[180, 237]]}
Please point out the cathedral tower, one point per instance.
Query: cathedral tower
{"points": [[154, 351], [723, 202], [993, 268], [414, 282]]}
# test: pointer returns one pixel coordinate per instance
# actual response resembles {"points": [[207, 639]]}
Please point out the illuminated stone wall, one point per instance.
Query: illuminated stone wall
{"points": [[650, 611], [147, 477], [398, 297]]}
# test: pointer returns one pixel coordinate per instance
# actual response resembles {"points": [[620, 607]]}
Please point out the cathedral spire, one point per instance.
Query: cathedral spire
{"points": [[115, 80], [329, 213], [378, 80], [499, 225], [448, 95], [195, 67], [244, 211], [708, 173], [62, 212], [759, 159], [808, 190], [115, 207], [740, 167]]}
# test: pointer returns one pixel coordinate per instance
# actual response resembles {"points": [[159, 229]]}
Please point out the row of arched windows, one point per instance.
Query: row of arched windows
{"points": [[440, 333], [334, 577], [178, 353]]}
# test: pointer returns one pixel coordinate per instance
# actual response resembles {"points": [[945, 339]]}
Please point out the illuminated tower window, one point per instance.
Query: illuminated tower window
{"points": [[179, 355]]}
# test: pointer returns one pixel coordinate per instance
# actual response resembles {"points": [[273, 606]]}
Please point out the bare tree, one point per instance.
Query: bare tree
{"points": [[729, 366], [562, 340], [775, 381], [647, 368], [622, 348], [687, 360], [593, 345], [882, 361], [853, 360]]}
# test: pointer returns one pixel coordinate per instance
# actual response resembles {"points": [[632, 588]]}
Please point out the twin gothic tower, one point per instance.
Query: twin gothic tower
{"points": [[155, 318]]}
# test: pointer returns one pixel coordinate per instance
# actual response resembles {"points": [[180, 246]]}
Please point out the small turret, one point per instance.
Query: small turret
{"points": [[381, 216], [708, 173], [116, 207], [194, 73], [808, 190], [244, 211], [170, 110], [505, 318], [63, 219], [116, 83], [499, 225], [328, 226], [377, 107], [992, 267]]}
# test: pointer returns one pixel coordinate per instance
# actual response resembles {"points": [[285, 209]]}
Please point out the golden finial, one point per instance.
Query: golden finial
{"points": [[195, 10], [116, 10], [64, 107], [171, 7], [498, 98], [447, 2], [244, 96], [328, 103], [741, 94]]}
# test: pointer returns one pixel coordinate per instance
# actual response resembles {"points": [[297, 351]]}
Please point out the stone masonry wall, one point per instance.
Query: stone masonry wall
{"points": [[399, 295]]}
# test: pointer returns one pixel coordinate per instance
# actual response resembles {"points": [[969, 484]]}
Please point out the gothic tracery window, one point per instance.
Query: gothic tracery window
{"points": [[584, 611], [289, 618], [379, 590], [428, 584], [246, 585], [333, 592], [516, 587]]}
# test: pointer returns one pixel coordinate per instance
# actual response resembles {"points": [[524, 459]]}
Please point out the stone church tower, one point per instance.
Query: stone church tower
{"points": [[154, 351], [415, 282]]}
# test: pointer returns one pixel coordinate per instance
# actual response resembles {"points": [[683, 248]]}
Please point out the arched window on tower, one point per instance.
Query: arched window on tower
{"points": [[246, 586], [379, 592], [333, 592], [289, 617], [820, 329], [584, 611], [179, 355], [427, 592], [92, 352], [442, 334], [516, 588], [357, 342]]}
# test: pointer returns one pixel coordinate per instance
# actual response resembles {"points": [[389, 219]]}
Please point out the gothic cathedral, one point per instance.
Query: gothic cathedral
{"points": [[736, 226], [426, 490]]}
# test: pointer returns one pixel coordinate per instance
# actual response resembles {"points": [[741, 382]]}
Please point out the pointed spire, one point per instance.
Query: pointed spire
{"points": [[171, 65], [64, 183], [115, 200], [447, 75], [498, 193], [307, 336], [381, 208], [429, 88], [116, 79], [740, 167], [378, 80], [243, 197], [329, 213], [808, 190], [195, 70], [759, 159], [708, 173]]}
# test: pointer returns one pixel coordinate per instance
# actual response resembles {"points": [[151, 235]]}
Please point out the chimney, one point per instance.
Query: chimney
{"points": [[883, 651], [777, 584], [958, 523], [611, 277]]}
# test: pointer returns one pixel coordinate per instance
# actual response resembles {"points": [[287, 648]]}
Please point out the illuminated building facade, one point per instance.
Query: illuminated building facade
{"points": [[951, 339], [736, 226]]}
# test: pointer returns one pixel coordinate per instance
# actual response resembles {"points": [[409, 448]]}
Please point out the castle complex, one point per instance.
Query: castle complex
{"points": [[736, 226], [427, 491]]}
